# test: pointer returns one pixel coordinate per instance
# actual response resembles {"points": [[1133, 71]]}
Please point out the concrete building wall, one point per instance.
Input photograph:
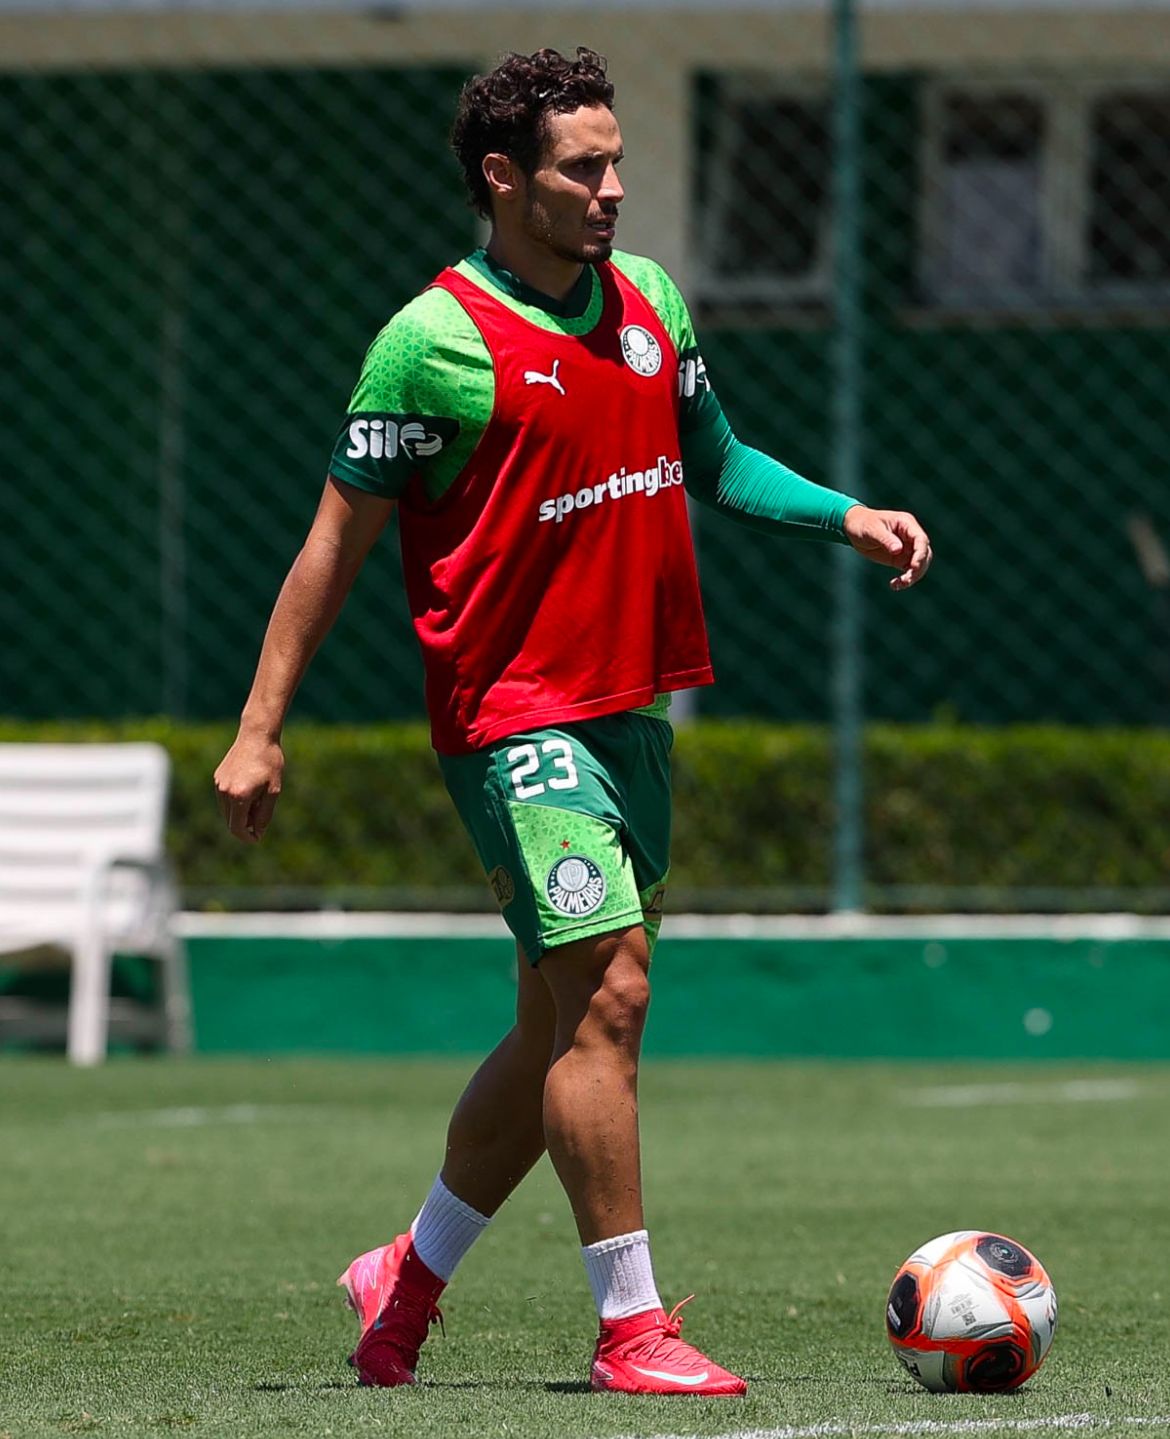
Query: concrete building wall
{"points": [[652, 55]]}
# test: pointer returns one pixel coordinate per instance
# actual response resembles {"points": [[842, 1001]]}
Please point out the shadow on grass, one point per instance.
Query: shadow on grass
{"points": [[267, 1386], [892, 1388], [908, 1389], [559, 1386]]}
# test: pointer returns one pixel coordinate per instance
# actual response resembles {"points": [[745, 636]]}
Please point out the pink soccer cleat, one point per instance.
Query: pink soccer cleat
{"points": [[394, 1295], [644, 1355]]}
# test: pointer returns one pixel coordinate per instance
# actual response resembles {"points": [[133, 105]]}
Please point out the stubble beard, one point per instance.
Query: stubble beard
{"points": [[539, 226]]}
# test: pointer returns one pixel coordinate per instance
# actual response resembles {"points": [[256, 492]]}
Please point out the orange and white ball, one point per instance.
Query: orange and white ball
{"points": [[971, 1311]]}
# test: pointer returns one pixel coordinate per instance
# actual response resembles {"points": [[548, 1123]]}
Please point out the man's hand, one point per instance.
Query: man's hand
{"points": [[247, 785], [890, 537]]}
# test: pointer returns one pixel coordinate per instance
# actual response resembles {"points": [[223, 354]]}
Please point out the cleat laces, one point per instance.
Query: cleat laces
{"points": [[673, 1326], [662, 1343]]}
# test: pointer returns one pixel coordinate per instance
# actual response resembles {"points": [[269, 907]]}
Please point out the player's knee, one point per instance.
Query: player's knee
{"points": [[617, 1010], [601, 990]]}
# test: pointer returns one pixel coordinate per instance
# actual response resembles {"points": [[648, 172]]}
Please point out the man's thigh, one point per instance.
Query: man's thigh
{"points": [[646, 803], [548, 813]]}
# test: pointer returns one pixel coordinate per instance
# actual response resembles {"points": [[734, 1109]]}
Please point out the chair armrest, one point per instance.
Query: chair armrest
{"points": [[156, 868], [162, 893]]}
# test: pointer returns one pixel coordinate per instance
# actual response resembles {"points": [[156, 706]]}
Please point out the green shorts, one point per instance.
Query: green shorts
{"points": [[572, 825]]}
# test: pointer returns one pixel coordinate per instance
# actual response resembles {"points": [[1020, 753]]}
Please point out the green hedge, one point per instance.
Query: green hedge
{"points": [[987, 817]]}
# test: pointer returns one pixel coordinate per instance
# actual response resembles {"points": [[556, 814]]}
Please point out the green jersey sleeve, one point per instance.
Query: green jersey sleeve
{"points": [[418, 406], [755, 490]]}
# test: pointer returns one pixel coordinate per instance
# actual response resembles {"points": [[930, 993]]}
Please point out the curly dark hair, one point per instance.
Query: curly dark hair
{"points": [[506, 112]]}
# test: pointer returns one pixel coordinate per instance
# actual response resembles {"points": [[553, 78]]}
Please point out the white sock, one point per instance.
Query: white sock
{"points": [[445, 1229], [621, 1275]]}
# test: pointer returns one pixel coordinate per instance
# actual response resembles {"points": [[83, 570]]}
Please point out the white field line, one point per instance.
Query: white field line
{"points": [[831, 1428], [337, 924], [196, 1116], [1071, 1091]]}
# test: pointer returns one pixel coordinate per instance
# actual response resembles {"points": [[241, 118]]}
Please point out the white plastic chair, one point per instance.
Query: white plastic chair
{"points": [[83, 876]]}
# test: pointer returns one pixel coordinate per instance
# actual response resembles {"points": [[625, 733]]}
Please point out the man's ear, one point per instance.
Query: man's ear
{"points": [[503, 176]]}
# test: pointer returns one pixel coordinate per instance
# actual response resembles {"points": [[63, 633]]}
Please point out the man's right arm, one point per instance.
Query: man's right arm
{"points": [[347, 523]]}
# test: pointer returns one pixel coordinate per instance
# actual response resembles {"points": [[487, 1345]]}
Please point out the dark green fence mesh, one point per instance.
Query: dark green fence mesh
{"points": [[199, 261], [195, 259]]}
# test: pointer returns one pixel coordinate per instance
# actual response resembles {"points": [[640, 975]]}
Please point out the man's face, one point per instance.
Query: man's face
{"points": [[571, 202]]}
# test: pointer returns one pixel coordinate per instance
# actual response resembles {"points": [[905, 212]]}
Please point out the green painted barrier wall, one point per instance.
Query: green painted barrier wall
{"points": [[855, 998]]}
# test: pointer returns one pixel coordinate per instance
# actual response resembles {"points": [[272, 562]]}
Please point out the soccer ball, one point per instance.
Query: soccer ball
{"points": [[971, 1311]]}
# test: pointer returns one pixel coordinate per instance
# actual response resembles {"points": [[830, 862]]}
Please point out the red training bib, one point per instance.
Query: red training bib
{"points": [[555, 580]]}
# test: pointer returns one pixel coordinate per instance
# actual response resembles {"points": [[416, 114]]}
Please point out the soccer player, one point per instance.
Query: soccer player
{"points": [[538, 415]]}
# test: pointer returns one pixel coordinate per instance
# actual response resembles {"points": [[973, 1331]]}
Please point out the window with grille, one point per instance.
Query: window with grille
{"points": [[1045, 194], [763, 224]]}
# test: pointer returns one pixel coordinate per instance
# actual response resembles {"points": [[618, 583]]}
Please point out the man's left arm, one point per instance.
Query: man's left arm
{"points": [[753, 489]]}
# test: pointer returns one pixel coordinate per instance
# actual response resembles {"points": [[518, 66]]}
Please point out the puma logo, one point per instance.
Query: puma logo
{"points": [[534, 377]]}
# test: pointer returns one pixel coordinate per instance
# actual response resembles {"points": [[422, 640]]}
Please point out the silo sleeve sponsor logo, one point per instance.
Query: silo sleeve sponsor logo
{"points": [[698, 406], [378, 437], [649, 482], [692, 375], [381, 452]]}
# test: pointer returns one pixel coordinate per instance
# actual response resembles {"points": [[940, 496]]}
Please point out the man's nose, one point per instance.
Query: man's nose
{"points": [[611, 187]]}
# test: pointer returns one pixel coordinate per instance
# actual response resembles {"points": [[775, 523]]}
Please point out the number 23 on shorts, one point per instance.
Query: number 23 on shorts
{"points": [[524, 762]]}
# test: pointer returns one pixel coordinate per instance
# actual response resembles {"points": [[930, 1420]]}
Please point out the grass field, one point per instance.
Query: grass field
{"points": [[172, 1231]]}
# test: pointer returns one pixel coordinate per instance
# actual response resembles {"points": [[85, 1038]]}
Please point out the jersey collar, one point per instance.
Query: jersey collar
{"points": [[572, 307]]}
